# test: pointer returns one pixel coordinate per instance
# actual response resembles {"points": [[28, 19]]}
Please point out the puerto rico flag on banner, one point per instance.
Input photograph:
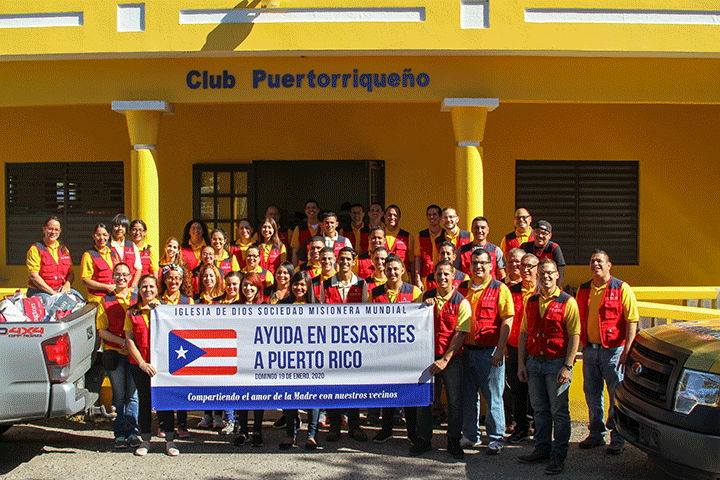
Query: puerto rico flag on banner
{"points": [[202, 352]]}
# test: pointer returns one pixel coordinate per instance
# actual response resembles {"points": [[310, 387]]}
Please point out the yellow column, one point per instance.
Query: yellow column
{"points": [[468, 117], [143, 121]]}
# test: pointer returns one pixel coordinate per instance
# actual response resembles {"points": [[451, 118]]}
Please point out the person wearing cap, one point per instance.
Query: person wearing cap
{"points": [[523, 232], [542, 247], [608, 321], [549, 340]]}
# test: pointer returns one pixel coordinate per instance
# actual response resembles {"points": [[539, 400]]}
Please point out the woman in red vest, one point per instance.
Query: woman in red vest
{"points": [[138, 231], [195, 236], [97, 265], [272, 250], [49, 264], [137, 336], [281, 288]]}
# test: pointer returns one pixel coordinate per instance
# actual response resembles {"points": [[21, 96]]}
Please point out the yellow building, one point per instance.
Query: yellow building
{"points": [[600, 118]]}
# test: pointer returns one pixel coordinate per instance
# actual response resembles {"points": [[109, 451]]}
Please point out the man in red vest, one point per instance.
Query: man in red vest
{"points": [[425, 248], [542, 247], [523, 232], [484, 351], [549, 340], [305, 231], [480, 230], [452, 322], [514, 274], [608, 319]]}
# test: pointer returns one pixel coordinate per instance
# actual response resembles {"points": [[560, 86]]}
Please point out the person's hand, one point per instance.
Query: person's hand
{"points": [[438, 366], [522, 373], [430, 301], [65, 288], [564, 376], [498, 357], [148, 368], [110, 288]]}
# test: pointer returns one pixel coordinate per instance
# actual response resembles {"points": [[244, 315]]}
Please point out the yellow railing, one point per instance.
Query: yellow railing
{"points": [[697, 303]]}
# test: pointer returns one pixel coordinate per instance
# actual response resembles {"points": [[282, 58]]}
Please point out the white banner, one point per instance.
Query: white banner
{"points": [[214, 357]]}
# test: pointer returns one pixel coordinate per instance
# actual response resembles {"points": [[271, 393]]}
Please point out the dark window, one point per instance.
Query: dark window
{"points": [[590, 204], [222, 195], [81, 194]]}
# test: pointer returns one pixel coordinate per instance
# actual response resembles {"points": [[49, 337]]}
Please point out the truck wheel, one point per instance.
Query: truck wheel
{"points": [[4, 428]]}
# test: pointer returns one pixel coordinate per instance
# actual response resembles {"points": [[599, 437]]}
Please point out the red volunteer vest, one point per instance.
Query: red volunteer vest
{"points": [[463, 238], [365, 265], [364, 235], [141, 335], [116, 316], [273, 259], [445, 321], [511, 240], [145, 260], [189, 256], [102, 272], [611, 314], [547, 335], [545, 252], [355, 293], [54, 273], [487, 319], [466, 252], [405, 295], [400, 247], [426, 250], [517, 296]]}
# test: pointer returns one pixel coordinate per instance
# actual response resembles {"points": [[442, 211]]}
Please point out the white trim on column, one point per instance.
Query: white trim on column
{"points": [[449, 103], [48, 19], [617, 16], [143, 147], [468, 144], [122, 106], [301, 15]]}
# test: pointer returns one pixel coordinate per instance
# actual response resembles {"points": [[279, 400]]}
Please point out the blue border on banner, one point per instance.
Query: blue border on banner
{"points": [[291, 397]]}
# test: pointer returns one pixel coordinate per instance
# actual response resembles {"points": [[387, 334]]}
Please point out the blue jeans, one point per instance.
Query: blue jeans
{"points": [[479, 373], [292, 420], [600, 366], [551, 410], [124, 398]]}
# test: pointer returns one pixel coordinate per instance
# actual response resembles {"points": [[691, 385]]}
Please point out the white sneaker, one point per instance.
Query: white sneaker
{"points": [[143, 449], [228, 429], [495, 447], [172, 450], [467, 443], [205, 422]]}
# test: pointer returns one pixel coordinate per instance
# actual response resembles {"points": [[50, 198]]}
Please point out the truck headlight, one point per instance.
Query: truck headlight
{"points": [[696, 388]]}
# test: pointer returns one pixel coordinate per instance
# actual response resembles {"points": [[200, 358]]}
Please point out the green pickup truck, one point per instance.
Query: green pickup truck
{"points": [[667, 404]]}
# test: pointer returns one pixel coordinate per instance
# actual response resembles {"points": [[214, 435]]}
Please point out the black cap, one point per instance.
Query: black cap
{"points": [[545, 225]]}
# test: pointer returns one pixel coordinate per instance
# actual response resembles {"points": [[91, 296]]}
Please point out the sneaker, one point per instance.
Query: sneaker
{"points": [[382, 436], [519, 436], [286, 444], [257, 440], [240, 439], [121, 443], [218, 422], [228, 429], [454, 449], [143, 449], [161, 433], [323, 420], [171, 449], [311, 445], [592, 442], [419, 448], [206, 422], [467, 443], [280, 423], [183, 433], [134, 441], [535, 457], [344, 420], [555, 466], [495, 448], [615, 448], [358, 434]]}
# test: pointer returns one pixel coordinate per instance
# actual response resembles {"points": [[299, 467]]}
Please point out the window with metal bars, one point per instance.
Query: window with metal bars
{"points": [[590, 204], [81, 194]]}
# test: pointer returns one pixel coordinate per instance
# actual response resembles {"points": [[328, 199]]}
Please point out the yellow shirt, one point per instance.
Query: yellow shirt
{"points": [[87, 267], [234, 263], [153, 258], [170, 301], [505, 304], [198, 250], [418, 247], [392, 294], [269, 279], [295, 241], [450, 237], [265, 252], [464, 315], [377, 281], [358, 235], [128, 321], [572, 314], [522, 237], [315, 269], [33, 256], [627, 298], [103, 322]]}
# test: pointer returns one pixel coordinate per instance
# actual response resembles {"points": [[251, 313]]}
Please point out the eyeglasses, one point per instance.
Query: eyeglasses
{"points": [[527, 266], [121, 275], [522, 217], [547, 274], [196, 228], [138, 230]]}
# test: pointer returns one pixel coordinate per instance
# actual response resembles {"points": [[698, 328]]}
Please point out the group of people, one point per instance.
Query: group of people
{"points": [[501, 317]]}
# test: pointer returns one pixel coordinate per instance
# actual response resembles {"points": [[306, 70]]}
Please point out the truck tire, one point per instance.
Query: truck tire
{"points": [[4, 428]]}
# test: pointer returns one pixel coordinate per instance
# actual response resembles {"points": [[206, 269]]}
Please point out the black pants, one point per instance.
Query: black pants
{"points": [[335, 415], [167, 419], [242, 420], [518, 392]]}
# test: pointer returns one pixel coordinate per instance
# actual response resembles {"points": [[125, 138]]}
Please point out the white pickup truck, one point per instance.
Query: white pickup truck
{"points": [[43, 366]]}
